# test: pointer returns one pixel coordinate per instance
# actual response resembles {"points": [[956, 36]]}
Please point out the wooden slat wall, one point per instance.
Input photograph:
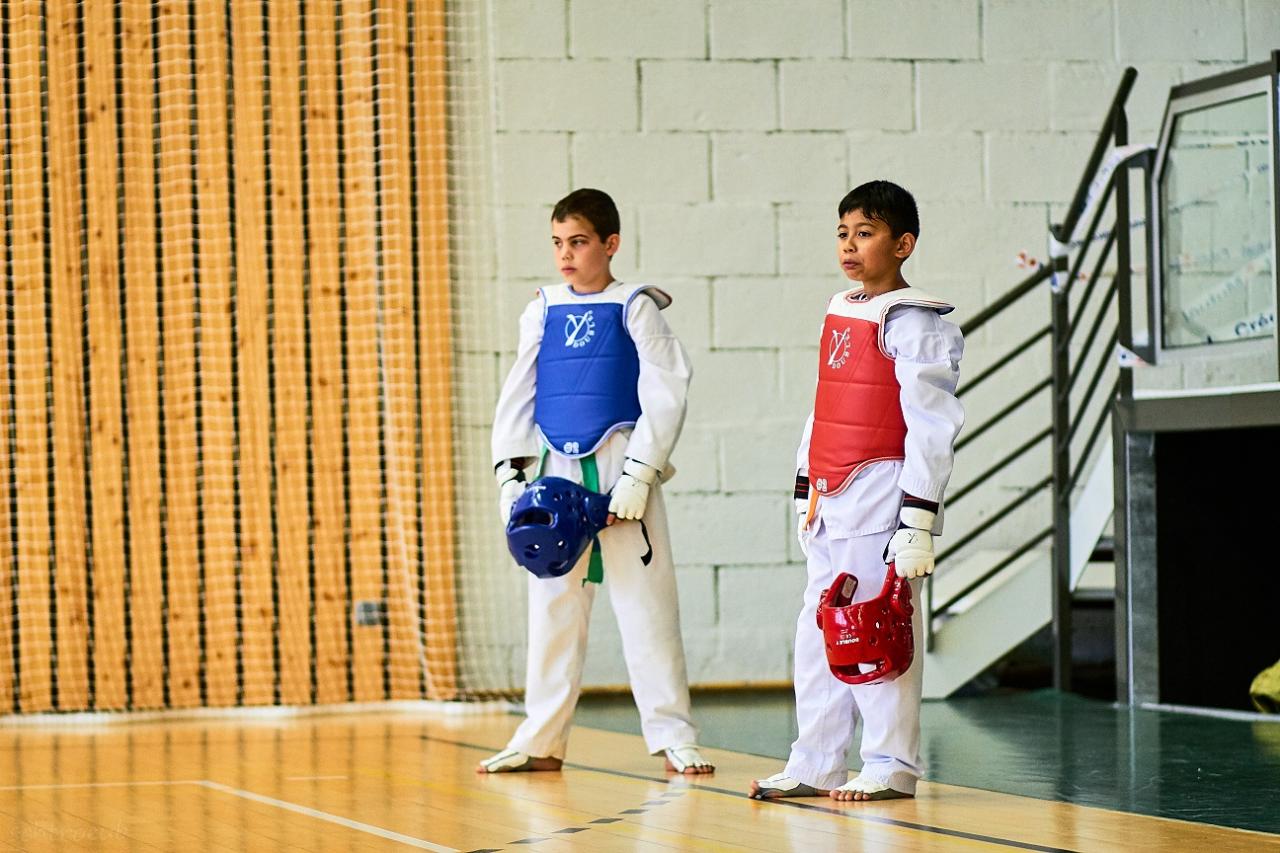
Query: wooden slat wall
{"points": [[105, 333], [8, 389], [438, 602], [361, 275], [66, 305], [218, 265], [35, 533], [289, 362], [145, 604], [324, 207], [224, 336]]}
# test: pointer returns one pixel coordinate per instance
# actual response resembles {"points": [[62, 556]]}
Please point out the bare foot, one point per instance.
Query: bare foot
{"points": [[691, 770], [846, 796]]}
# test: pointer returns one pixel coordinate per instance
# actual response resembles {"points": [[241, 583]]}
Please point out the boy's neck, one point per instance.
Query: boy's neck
{"points": [[594, 287], [879, 288]]}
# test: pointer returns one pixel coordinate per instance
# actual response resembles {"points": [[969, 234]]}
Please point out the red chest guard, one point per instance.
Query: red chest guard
{"points": [[857, 415]]}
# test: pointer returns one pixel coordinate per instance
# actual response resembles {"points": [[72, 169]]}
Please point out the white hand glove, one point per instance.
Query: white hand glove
{"points": [[911, 548], [511, 486], [801, 495], [631, 493], [803, 533]]}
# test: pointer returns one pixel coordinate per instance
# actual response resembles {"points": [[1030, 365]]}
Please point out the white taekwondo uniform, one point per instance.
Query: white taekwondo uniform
{"points": [[848, 533], [643, 596]]}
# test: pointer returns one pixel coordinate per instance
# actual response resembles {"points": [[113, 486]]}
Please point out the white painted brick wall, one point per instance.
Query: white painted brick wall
{"points": [[936, 166], [626, 164], [533, 166], [728, 529], [793, 307], [525, 29], [750, 29], [728, 130], [708, 239], [914, 29], [1037, 30], [1015, 165], [599, 94], [1081, 92], [834, 94], [709, 95], [1262, 28], [1200, 29], [805, 238], [641, 28], [761, 167], [984, 96]]}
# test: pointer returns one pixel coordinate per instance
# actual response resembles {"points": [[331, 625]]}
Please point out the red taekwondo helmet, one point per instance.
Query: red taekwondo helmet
{"points": [[875, 632]]}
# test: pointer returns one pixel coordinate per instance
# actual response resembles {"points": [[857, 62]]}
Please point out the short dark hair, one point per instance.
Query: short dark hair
{"points": [[886, 201], [594, 206]]}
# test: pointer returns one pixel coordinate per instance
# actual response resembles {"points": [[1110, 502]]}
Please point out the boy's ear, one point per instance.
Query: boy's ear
{"points": [[611, 244], [906, 245]]}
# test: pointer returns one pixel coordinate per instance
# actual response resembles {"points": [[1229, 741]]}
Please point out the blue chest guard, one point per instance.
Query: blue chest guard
{"points": [[587, 368]]}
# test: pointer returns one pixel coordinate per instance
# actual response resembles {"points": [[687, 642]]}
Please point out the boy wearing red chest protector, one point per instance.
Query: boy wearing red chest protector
{"points": [[872, 467]]}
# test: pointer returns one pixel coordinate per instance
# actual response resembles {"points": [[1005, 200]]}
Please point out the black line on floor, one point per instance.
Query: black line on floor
{"points": [[844, 813]]}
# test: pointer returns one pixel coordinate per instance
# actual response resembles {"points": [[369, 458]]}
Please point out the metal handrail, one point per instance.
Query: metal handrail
{"points": [[1092, 230], [1091, 285], [1087, 347], [1003, 413], [1019, 290], [1098, 424], [995, 517], [1103, 364], [1067, 369], [991, 471], [995, 366], [994, 570], [1114, 113]]}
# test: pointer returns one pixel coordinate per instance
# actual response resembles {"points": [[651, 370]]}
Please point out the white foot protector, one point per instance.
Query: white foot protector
{"points": [[872, 788], [507, 761], [684, 756], [780, 786]]}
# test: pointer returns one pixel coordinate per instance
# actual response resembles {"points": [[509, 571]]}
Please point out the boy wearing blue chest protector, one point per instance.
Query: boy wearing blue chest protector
{"points": [[597, 395]]}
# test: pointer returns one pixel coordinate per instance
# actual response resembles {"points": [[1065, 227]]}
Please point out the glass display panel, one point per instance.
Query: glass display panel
{"points": [[1217, 227]]}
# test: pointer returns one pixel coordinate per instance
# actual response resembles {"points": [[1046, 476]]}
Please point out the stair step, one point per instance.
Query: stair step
{"points": [[998, 617], [953, 577]]}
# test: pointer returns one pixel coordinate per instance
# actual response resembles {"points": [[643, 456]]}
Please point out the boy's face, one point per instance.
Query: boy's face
{"points": [[582, 257], [868, 251]]}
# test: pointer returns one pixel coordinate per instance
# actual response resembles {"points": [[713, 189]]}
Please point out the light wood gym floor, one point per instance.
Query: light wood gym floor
{"points": [[405, 780]]}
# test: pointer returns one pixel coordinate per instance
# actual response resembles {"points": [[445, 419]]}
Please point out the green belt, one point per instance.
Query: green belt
{"points": [[590, 480]]}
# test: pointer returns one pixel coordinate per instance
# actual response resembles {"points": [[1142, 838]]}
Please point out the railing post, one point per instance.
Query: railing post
{"points": [[1124, 260], [1061, 491]]}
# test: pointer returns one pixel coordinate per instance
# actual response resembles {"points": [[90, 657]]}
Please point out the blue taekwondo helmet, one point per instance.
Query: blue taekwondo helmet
{"points": [[553, 524]]}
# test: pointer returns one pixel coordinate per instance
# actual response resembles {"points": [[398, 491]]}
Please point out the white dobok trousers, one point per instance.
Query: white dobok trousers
{"points": [[827, 709], [644, 602]]}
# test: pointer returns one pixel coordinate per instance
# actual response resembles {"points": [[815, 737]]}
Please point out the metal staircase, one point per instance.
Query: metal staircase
{"points": [[1032, 520]]}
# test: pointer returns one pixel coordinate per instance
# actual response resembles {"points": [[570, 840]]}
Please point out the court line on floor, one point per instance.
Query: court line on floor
{"points": [[843, 813], [368, 828], [420, 843]]}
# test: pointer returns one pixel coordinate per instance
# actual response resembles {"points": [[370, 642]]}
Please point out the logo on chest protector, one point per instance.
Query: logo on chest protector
{"points": [[838, 348], [579, 329]]}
